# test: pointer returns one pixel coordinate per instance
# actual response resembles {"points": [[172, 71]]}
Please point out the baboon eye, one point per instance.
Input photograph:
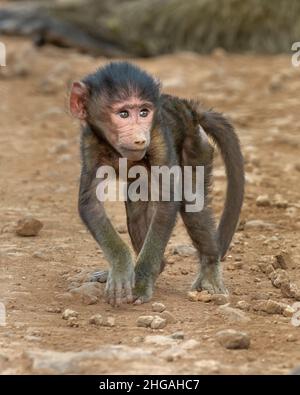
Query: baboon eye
{"points": [[124, 114], [144, 112]]}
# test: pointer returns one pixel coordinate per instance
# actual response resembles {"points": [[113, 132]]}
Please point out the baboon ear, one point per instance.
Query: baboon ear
{"points": [[78, 99]]}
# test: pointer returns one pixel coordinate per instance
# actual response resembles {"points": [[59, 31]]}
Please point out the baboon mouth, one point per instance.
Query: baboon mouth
{"points": [[133, 154]]}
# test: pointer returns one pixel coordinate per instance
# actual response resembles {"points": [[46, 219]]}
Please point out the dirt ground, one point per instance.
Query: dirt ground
{"points": [[39, 170]]}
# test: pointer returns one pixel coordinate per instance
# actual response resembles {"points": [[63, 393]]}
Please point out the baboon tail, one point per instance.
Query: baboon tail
{"points": [[223, 134]]}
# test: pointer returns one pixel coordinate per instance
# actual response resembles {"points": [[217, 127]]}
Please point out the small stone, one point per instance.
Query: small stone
{"points": [[177, 335], [233, 314], [243, 305], [282, 261], [288, 311], [184, 250], [54, 309], [193, 296], [291, 338], [73, 322], [204, 296], [144, 321], [109, 321], [266, 268], [70, 362], [68, 313], [169, 317], [219, 299], [28, 226], [189, 344], [263, 201], [88, 292], [158, 323], [270, 306], [233, 340], [96, 319], [279, 277], [280, 202], [196, 296], [158, 307], [290, 290]]}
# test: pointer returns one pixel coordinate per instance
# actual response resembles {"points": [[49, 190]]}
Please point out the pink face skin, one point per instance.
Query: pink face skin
{"points": [[126, 124], [131, 123]]}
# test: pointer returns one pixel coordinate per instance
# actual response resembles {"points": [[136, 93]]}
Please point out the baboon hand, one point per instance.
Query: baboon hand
{"points": [[120, 283]]}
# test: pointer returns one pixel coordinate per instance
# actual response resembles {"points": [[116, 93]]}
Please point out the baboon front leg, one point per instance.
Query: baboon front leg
{"points": [[139, 216], [150, 258], [201, 228]]}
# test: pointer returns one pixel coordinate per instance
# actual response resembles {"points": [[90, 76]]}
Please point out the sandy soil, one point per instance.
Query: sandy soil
{"points": [[39, 170]]}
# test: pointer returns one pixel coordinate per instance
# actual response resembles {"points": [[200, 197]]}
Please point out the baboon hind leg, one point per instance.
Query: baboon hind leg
{"points": [[201, 229]]}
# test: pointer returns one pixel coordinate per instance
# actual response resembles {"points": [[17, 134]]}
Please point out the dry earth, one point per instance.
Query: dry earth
{"points": [[39, 170]]}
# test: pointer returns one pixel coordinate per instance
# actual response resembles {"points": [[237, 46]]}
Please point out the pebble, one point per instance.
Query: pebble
{"points": [[219, 299], [109, 321], [291, 338], [28, 226], [88, 292], [280, 202], [282, 261], [158, 323], [233, 340], [68, 313], [56, 310], [266, 268], [279, 277], [203, 296], [189, 344], [243, 305], [144, 321], [263, 201], [73, 322], [290, 290], [96, 319], [158, 307], [233, 314], [272, 307], [71, 362], [169, 317], [177, 335], [183, 250]]}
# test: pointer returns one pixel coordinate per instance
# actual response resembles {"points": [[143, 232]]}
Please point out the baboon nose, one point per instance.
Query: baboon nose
{"points": [[140, 142]]}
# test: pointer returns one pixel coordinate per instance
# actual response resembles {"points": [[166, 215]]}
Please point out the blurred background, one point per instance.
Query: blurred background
{"points": [[154, 27]]}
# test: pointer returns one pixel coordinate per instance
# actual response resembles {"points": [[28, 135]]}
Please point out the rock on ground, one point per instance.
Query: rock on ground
{"points": [[54, 362], [28, 226], [233, 340]]}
